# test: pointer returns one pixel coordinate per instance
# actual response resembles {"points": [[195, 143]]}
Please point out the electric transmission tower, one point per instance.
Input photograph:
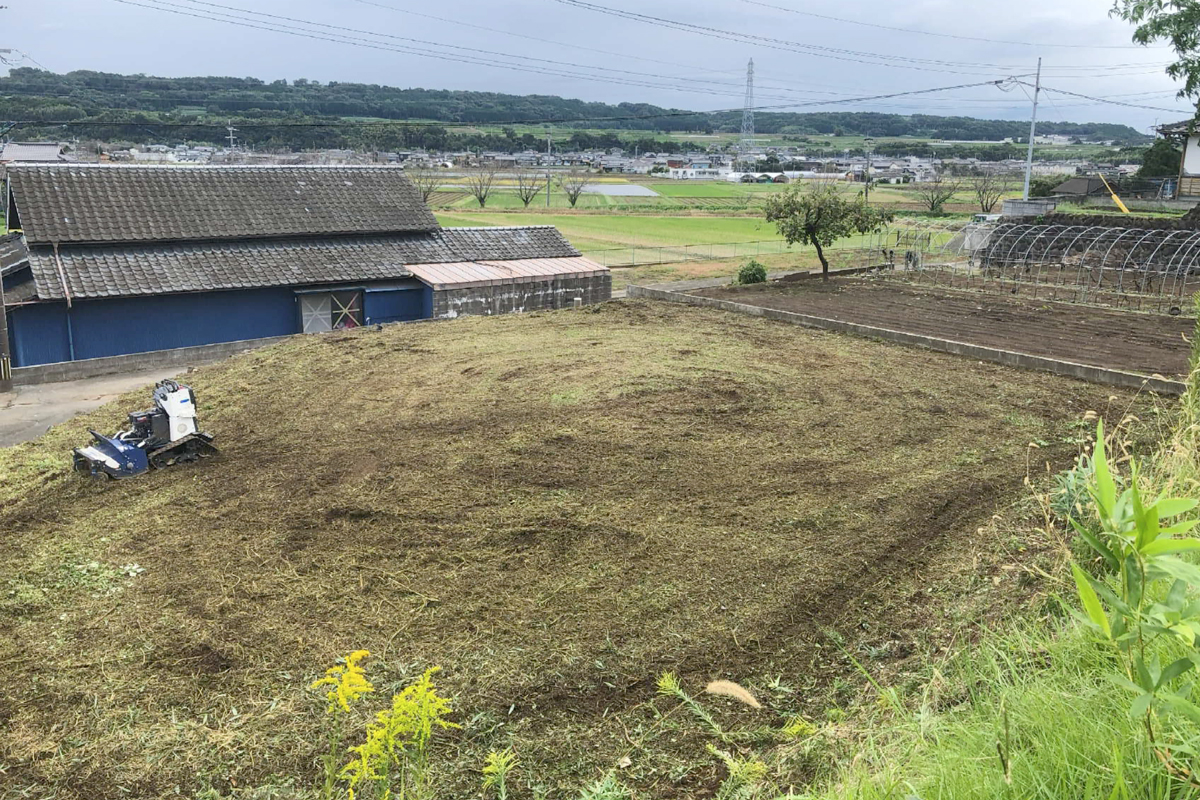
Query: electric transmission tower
{"points": [[748, 113]]}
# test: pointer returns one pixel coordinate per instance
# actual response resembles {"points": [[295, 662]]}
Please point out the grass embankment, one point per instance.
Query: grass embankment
{"points": [[554, 507]]}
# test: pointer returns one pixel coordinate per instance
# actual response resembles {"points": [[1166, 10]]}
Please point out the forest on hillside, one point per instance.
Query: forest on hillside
{"points": [[305, 114]]}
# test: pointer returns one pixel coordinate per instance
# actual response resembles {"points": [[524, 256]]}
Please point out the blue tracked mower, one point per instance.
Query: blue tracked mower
{"points": [[166, 434]]}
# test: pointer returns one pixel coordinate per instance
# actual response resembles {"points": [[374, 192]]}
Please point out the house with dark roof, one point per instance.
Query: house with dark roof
{"points": [[116, 259], [1186, 133], [1082, 186], [11, 152]]}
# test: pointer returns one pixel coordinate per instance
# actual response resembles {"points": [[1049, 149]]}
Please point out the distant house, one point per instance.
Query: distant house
{"points": [[1082, 187], [690, 174], [27, 152], [1188, 134], [118, 259]]}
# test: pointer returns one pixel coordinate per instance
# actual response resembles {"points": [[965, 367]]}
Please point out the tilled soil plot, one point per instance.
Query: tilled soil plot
{"points": [[553, 507], [1143, 343]]}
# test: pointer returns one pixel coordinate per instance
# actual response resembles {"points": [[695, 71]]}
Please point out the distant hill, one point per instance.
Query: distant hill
{"points": [[130, 101]]}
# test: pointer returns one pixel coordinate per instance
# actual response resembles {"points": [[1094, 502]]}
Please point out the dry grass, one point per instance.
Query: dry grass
{"points": [[555, 507]]}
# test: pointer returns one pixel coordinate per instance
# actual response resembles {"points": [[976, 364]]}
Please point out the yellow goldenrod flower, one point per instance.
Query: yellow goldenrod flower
{"points": [[398, 737], [348, 682]]}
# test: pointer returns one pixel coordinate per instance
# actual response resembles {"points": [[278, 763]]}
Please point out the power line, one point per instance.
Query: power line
{"points": [[24, 56], [857, 56], [943, 35], [1108, 101], [466, 57], [570, 45]]}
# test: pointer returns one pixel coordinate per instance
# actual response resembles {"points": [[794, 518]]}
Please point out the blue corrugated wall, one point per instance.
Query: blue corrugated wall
{"points": [[396, 305], [38, 334], [45, 332]]}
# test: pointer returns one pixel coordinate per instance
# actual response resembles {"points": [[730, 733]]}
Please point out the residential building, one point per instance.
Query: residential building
{"points": [[118, 259], [28, 152]]}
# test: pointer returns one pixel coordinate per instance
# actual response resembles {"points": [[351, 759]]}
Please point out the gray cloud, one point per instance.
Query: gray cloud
{"points": [[644, 62]]}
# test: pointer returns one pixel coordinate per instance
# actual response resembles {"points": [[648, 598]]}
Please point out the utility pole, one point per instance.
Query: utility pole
{"points": [[869, 142], [1037, 88]]}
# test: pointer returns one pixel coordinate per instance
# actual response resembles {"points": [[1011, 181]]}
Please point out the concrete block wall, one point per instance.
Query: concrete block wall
{"points": [[510, 298], [134, 362]]}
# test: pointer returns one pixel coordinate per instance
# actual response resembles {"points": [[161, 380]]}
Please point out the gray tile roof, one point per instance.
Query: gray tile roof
{"points": [[503, 243], [13, 254], [93, 203], [103, 271], [20, 293], [31, 151], [129, 270]]}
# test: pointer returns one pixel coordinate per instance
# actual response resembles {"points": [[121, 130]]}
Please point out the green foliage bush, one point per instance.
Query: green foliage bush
{"points": [[1044, 185], [752, 272]]}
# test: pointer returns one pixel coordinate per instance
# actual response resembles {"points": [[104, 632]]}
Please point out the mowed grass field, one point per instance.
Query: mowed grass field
{"points": [[554, 507], [707, 197], [598, 232]]}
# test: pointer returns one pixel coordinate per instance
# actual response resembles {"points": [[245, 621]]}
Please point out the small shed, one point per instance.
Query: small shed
{"points": [[119, 259]]}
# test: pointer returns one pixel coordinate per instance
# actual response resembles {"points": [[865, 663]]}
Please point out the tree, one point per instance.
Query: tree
{"points": [[481, 180], [529, 185], [934, 193], [425, 179], [1177, 22], [818, 214], [1044, 185], [1161, 160], [573, 183], [988, 188]]}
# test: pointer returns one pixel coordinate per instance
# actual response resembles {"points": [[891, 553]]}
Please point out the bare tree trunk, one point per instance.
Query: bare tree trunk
{"points": [[480, 180], [824, 262]]}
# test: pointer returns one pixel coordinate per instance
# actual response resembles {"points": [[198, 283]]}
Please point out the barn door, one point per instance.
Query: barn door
{"points": [[315, 313]]}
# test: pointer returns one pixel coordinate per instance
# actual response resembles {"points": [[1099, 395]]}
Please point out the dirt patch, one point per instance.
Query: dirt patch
{"points": [[551, 521], [1143, 343]]}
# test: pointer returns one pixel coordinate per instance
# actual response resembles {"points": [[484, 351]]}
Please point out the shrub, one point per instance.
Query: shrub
{"points": [[752, 272], [1147, 615]]}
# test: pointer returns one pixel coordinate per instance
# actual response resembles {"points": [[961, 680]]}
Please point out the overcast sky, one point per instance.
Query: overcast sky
{"points": [[613, 59]]}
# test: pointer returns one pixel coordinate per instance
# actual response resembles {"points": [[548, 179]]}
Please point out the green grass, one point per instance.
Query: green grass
{"points": [[597, 232], [1041, 694], [700, 189]]}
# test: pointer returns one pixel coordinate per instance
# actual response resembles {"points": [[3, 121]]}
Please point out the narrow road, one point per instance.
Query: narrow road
{"points": [[28, 411]]}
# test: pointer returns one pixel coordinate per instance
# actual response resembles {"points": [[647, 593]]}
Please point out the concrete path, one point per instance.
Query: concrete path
{"points": [[27, 412]]}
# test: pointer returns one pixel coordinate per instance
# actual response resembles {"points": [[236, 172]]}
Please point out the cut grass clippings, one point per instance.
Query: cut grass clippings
{"points": [[554, 507]]}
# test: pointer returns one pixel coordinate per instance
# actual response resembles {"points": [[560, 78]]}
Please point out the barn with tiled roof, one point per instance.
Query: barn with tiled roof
{"points": [[114, 260]]}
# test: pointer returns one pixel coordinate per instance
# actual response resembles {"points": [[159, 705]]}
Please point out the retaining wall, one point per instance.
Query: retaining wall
{"points": [[1112, 377], [134, 362]]}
